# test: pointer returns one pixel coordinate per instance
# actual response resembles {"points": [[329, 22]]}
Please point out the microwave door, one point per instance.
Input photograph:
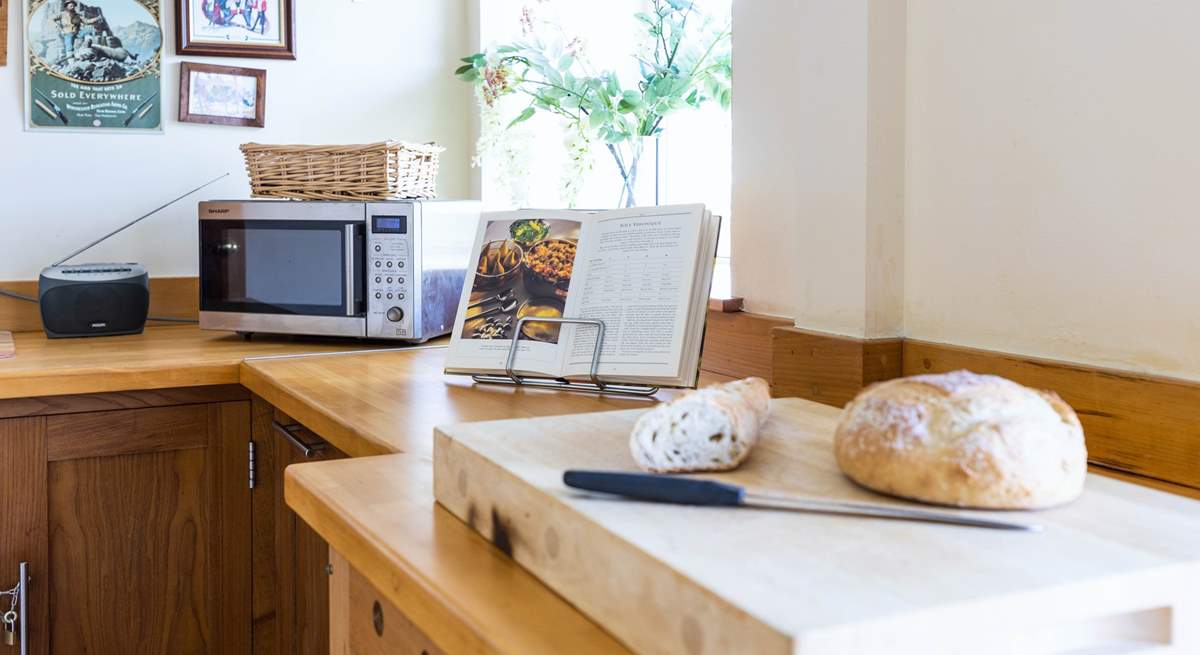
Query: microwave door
{"points": [[292, 276]]}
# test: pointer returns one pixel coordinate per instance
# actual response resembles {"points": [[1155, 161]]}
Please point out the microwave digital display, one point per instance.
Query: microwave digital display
{"points": [[389, 224]]}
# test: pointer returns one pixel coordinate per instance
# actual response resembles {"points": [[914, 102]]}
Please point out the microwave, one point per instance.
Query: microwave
{"points": [[373, 270]]}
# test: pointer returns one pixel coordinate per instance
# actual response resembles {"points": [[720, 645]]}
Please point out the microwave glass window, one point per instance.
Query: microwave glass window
{"points": [[389, 224], [277, 267], [293, 267]]}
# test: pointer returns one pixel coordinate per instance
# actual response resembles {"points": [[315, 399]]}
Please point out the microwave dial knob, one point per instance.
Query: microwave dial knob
{"points": [[395, 314]]}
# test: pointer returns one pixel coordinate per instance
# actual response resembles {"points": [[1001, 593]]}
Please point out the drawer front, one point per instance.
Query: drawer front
{"points": [[376, 627]]}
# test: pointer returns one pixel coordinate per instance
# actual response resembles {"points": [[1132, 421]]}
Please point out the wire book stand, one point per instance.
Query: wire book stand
{"points": [[596, 385]]}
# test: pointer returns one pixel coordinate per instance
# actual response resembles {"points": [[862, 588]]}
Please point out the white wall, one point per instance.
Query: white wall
{"points": [[1052, 175], [767, 153], [366, 71], [818, 162]]}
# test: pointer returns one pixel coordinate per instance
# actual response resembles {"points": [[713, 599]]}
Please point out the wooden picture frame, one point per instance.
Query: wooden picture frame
{"points": [[233, 28], [3, 32], [195, 79]]}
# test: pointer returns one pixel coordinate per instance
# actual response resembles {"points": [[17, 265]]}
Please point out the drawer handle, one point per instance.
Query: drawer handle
{"points": [[310, 450]]}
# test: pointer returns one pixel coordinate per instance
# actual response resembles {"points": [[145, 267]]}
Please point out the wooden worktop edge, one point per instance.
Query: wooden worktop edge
{"points": [[403, 584], [105, 380], [391, 576], [343, 437]]}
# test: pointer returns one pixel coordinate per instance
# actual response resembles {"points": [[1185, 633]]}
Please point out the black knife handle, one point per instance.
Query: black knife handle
{"points": [[658, 488]]}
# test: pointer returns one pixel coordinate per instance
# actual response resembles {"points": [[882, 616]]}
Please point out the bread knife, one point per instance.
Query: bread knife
{"points": [[692, 491]]}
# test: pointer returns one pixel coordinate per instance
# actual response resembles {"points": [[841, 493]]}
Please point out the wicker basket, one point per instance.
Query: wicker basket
{"points": [[374, 171]]}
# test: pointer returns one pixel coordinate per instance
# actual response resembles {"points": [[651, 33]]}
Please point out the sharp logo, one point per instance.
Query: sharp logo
{"points": [[218, 211], [99, 325]]}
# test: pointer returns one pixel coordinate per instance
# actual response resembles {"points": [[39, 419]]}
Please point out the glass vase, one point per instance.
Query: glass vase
{"points": [[638, 171]]}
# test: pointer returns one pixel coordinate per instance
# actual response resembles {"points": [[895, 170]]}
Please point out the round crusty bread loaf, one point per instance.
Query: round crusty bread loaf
{"points": [[963, 439], [711, 429]]}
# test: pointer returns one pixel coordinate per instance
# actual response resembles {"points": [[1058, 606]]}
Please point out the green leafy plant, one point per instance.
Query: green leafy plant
{"points": [[688, 65]]}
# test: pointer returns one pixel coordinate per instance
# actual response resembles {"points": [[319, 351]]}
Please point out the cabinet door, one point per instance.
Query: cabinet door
{"points": [[23, 519], [148, 514], [291, 585]]}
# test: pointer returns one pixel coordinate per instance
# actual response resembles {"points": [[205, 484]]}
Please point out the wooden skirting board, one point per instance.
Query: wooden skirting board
{"points": [[738, 344], [1139, 424], [175, 297], [827, 368]]}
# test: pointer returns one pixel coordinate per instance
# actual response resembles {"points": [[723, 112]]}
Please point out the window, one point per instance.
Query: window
{"points": [[529, 165]]}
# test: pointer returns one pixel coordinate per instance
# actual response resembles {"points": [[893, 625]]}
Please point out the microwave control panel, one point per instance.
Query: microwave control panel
{"points": [[390, 266]]}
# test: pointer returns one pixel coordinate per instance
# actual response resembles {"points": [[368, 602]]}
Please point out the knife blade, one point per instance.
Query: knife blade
{"points": [[692, 491]]}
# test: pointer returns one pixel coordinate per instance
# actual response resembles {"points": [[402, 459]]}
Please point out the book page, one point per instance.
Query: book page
{"points": [[523, 267], [636, 272]]}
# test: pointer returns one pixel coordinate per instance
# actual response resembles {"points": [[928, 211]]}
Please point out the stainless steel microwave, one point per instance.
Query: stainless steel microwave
{"points": [[382, 270]]}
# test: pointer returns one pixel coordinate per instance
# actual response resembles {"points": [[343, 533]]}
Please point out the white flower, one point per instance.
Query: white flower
{"points": [[506, 149]]}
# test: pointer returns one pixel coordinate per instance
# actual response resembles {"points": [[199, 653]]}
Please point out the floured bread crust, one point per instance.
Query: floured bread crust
{"points": [[963, 439], [711, 429]]}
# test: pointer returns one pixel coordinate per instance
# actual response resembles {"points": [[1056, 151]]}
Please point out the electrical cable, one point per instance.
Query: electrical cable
{"points": [[172, 319], [163, 319], [18, 296]]}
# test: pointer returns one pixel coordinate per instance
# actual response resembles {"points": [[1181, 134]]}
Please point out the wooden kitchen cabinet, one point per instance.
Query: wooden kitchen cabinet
{"points": [[133, 511], [143, 534], [291, 561]]}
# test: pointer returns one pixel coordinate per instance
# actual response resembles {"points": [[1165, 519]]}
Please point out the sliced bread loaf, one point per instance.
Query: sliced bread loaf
{"points": [[711, 429]]}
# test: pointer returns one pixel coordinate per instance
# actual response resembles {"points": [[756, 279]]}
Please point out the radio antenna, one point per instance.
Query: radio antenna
{"points": [[138, 220]]}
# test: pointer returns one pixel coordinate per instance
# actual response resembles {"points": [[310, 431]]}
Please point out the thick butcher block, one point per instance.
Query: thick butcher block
{"points": [[1118, 571]]}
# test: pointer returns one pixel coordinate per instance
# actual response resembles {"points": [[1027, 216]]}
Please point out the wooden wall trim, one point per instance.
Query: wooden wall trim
{"points": [[829, 368], [176, 297], [1137, 425], [738, 344], [1141, 424], [1153, 483]]}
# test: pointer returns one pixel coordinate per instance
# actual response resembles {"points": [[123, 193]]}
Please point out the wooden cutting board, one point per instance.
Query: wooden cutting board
{"points": [[1118, 571]]}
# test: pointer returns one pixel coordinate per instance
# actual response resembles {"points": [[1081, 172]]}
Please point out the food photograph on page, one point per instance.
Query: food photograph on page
{"points": [[522, 270]]}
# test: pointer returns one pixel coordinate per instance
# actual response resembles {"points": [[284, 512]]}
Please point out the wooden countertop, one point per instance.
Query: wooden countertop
{"points": [[389, 402], [466, 595], [379, 512], [159, 358]]}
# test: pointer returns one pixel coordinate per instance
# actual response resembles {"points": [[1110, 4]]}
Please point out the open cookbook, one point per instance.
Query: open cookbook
{"points": [[645, 272]]}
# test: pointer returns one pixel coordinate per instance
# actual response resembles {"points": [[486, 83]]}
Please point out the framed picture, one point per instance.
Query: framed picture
{"points": [[93, 65], [236, 28], [222, 95]]}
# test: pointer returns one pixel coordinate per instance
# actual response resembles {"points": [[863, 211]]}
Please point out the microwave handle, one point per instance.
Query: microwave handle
{"points": [[350, 268]]}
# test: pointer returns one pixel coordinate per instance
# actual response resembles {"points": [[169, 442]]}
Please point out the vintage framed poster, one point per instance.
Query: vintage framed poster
{"points": [[3, 32], [222, 95], [94, 65], [236, 28]]}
